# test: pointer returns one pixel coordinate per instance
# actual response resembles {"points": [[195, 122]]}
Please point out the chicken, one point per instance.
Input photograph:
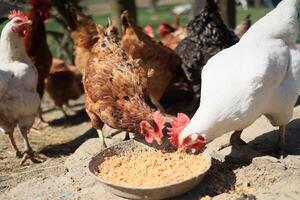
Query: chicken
{"points": [[19, 100], [64, 83], [115, 87], [241, 29], [153, 55], [207, 35], [36, 42], [84, 36], [171, 36], [260, 75]]}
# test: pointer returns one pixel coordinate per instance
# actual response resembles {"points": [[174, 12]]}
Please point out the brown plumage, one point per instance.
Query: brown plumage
{"points": [[64, 83], [84, 36], [115, 87], [164, 61], [36, 42]]}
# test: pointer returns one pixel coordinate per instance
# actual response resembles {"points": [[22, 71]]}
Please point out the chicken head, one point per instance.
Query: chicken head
{"points": [[20, 22], [193, 141], [165, 29], [152, 129]]}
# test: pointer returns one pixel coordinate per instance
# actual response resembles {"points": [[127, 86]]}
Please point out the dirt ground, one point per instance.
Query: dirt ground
{"points": [[55, 142], [252, 172]]}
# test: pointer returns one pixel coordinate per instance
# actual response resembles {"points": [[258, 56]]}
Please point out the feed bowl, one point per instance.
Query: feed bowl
{"points": [[133, 192]]}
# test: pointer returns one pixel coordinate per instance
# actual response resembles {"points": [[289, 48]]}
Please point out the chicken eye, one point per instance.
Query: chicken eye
{"points": [[18, 21], [126, 98]]}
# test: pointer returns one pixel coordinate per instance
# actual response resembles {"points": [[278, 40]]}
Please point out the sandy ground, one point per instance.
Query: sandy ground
{"points": [[252, 172], [56, 142]]}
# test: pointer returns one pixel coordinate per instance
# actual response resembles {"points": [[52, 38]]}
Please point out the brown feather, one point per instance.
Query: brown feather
{"points": [[115, 86]]}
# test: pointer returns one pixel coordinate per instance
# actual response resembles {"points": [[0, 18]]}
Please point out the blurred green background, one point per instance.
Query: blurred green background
{"points": [[100, 10]]}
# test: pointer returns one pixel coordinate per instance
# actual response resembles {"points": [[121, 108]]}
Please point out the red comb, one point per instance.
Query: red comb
{"points": [[177, 126], [18, 13], [35, 2]]}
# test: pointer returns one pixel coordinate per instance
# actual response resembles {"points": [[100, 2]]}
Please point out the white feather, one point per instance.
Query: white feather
{"points": [[19, 101], [257, 76]]}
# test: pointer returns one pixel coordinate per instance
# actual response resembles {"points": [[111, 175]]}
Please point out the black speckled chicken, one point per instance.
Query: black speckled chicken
{"points": [[207, 35]]}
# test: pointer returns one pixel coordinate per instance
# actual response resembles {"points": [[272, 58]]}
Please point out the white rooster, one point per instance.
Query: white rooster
{"points": [[260, 75], [19, 101]]}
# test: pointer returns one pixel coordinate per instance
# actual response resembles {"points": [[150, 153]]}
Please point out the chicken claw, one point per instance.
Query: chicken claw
{"points": [[18, 154], [33, 157]]}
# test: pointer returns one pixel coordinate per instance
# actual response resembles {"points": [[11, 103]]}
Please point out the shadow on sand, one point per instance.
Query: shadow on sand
{"points": [[68, 148], [221, 177], [72, 120]]}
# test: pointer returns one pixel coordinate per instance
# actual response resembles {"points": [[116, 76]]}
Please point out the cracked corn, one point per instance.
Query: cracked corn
{"points": [[149, 168]]}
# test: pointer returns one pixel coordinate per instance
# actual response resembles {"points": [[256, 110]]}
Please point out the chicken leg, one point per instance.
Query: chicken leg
{"points": [[41, 116], [282, 131], [66, 111], [13, 144], [235, 139], [101, 136], [41, 123], [127, 136], [28, 153]]}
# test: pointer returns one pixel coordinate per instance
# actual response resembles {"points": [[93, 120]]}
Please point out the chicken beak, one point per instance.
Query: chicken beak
{"points": [[158, 140], [194, 141], [23, 26], [26, 24]]}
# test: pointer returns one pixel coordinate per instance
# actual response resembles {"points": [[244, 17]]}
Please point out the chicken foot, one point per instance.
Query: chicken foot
{"points": [[13, 144], [234, 141], [28, 153]]}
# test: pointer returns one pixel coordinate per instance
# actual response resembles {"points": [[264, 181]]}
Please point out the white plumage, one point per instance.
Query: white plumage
{"points": [[260, 75], [19, 101]]}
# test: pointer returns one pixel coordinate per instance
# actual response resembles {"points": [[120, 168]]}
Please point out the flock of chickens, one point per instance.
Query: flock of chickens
{"points": [[124, 78]]}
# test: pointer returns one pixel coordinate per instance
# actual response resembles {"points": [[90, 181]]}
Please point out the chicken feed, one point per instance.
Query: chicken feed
{"points": [[150, 167]]}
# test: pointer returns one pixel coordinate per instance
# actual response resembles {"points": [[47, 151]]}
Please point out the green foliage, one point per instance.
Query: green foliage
{"points": [[146, 17]]}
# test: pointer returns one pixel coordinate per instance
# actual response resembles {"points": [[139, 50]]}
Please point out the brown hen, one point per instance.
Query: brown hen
{"points": [[64, 83], [115, 87], [84, 36], [36, 42], [153, 55]]}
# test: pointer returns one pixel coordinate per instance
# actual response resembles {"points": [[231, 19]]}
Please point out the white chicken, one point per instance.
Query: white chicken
{"points": [[19, 101], [260, 75]]}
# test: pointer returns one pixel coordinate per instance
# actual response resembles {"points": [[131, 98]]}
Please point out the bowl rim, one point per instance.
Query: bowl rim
{"points": [[201, 173]]}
